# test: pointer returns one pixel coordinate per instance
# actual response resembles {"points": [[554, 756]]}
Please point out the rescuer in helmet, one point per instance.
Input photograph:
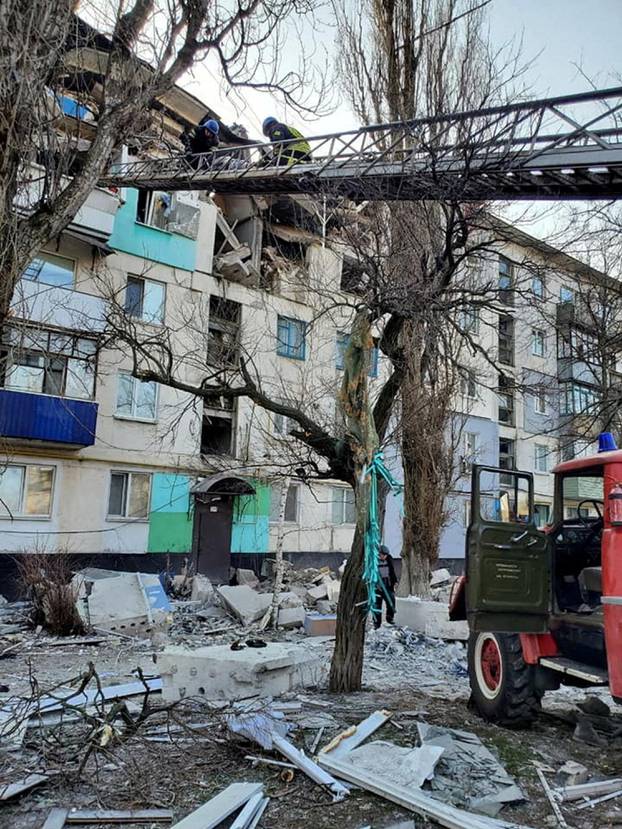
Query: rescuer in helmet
{"points": [[283, 152], [203, 138]]}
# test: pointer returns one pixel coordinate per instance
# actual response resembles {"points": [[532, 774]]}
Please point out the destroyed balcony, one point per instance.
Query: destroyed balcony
{"points": [[93, 222], [50, 420]]}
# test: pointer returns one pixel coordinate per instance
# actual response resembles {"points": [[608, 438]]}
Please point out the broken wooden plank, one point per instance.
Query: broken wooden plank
{"points": [[311, 769], [88, 816], [212, 813], [413, 799], [20, 786], [588, 789], [354, 736], [56, 819]]}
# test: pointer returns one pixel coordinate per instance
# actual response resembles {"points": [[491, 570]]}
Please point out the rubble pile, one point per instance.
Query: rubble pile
{"points": [[402, 656], [15, 617]]}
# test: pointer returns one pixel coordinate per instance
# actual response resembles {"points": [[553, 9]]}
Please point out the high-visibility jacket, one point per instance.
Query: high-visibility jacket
{"points": [[295, 151]]}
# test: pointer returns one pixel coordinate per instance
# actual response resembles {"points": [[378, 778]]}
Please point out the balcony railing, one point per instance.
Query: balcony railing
{"points": [[25, 416]]}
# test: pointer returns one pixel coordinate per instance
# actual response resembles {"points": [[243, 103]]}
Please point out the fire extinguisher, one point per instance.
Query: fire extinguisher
{"points": [[615, 505]]}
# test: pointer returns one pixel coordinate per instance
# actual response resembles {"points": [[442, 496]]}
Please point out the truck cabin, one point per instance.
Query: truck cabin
{"points": [[577, 531]]}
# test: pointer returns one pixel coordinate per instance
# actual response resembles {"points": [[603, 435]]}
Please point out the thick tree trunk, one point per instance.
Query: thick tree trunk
{"points": [[346, 669]]}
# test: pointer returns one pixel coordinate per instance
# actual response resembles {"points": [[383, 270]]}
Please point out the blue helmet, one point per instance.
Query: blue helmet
{"points": [[268, 122], [211, 125]]}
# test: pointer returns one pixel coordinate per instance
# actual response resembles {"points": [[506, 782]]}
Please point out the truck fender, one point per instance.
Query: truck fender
{"points": [[457, 600]]}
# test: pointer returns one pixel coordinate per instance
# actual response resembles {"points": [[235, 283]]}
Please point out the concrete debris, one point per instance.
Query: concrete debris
{"points": [[247, 577], [318, 624], [468, 775], [571, 774], [561, 820], [219, 673], [408, 767], [319, 592], [583, 790], [411, 798], [244, 603], [126, 600], [594, 706], [394, 656], [290, 600], [440, 577], [291, 617], [202, 590], [325, 606], [586, 734], [258, 726], [429, 618]]}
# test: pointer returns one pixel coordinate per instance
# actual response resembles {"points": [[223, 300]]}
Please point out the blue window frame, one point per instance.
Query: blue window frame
{"points": [[291, 338], [342, 342]]}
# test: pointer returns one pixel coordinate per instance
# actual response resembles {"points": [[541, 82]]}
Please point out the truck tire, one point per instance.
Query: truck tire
{"points": [[502, 684]]}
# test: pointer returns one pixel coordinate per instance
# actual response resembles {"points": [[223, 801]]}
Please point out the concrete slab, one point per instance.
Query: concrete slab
{"points": [[245, 604], [291, 617], [202, 590], [324, 606], [290, 600], [218, 673], [319, 592], [125, 602], [429, 618], [439, 577], [247, 577]]}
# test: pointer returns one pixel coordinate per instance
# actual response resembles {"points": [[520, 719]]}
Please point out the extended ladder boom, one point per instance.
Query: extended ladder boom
{"points": [[567, 147]]}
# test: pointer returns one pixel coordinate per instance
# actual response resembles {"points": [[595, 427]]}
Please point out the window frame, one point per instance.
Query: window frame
{"points": [[119, 415], [541, 456], [339, 498], [284, 349], [275, 520], [571, 291], [43, 253], [539, 397], [470, 320], [541, 293], [16, 355], [144, 280], [505, 294], [128, 473], [341, 343], [538, 338], [536, 510], [20, 515], [468, 381]]}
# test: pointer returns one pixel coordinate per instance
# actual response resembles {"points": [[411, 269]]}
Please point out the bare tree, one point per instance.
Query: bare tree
{"points": [[51, 158], [397, 61]]}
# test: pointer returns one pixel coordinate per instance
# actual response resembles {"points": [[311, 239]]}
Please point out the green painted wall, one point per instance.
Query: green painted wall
{"points": [[170, 520], [250, 530], [150, 242]]}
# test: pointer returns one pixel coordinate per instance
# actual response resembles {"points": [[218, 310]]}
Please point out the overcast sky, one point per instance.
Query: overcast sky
{"points": [[557, 34]]}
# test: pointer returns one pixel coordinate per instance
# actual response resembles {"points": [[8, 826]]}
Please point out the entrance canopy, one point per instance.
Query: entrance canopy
{"points": [[223, 483]]}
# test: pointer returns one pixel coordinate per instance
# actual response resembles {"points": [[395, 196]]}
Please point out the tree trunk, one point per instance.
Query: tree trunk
{"points": [[346, 669], [272, 614]]}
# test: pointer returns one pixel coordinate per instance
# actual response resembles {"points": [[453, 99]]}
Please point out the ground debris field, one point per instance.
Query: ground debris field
{"points": [[143, 752]]}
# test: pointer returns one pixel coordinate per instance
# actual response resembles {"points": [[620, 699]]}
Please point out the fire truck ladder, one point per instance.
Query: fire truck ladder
{"points": [[567, 147]]}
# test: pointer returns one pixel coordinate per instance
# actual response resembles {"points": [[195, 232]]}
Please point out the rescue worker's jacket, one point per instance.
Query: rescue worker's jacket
{"points": [[288, 153]]}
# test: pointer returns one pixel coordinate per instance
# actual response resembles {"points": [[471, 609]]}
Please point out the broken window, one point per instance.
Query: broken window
{"points": [[217, 432], [353, 277], [506, 459], [506, 340], [51, 269], [173, 212], [291, 503], [506, 281], [223, 333], [505, 395]]}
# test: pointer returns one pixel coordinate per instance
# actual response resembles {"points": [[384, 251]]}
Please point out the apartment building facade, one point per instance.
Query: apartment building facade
{"points": [[97, 462], [529, 395]]}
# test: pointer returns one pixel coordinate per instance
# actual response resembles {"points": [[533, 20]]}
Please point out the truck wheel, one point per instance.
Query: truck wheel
{"points": [[502, 684]]}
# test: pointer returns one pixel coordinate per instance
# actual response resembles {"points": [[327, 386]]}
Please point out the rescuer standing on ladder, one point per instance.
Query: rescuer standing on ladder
{"points": [[200, 141], [286, 153]]}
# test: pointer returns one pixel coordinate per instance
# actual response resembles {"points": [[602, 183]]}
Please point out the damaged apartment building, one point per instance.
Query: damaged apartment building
{"points": [[99, 463]]}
